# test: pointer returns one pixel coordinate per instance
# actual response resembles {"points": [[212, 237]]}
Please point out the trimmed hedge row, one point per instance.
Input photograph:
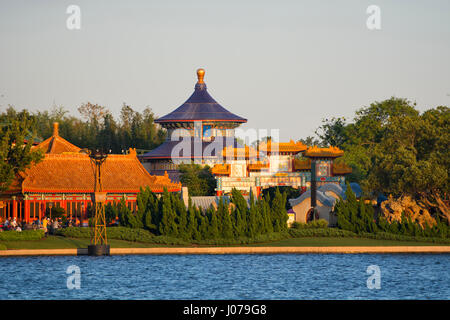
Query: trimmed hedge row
{"points": [[320, 223], [399, 237], [142, 235], [321, 232], [2, 246], [23, 235]]}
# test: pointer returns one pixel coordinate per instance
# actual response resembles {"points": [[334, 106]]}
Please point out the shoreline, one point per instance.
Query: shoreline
{"points": [[233, 250]]}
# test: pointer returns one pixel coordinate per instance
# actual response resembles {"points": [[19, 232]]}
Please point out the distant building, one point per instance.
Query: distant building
{"points": [[65, 178], [327, 196], [202, 124], [202, 131]]}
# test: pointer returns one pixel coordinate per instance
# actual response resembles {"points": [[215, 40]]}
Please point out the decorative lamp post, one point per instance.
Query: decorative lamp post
{"points": [[50, 205], [99, 243]]}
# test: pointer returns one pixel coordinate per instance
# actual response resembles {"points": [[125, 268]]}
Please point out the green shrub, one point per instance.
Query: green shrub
{"points": [[2, 246], [320, 232], [23, 235], [321, 223], [400, 237]]}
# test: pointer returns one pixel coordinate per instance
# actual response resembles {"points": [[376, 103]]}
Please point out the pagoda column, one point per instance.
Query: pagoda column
{"points": [[14, 206], [26, 211]]}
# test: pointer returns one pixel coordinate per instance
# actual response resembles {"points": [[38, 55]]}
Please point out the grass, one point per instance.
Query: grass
{"points": [[59, 242], [339, 241]]}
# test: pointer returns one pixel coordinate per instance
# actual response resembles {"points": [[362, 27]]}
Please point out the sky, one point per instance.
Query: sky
{"points": [[283, 65]]}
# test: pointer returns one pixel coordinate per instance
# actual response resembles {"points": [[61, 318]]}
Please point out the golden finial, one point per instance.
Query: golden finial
{"points": [[200, 75], [55, 129]]}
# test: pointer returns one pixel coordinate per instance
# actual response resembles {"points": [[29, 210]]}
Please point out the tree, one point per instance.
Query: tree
{"points": [[167, 226], [17, 135], [198, 179]]}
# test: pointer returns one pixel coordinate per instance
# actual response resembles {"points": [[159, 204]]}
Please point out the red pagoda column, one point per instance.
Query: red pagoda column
{"points": [[26, 211], [14, 207]]}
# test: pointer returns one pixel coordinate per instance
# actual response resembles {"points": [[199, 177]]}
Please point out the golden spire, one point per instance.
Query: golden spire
{"points": [[55, 129], [200, 75]]}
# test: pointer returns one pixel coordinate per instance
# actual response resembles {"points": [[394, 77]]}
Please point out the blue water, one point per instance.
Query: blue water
{"points": [[294, 276]]}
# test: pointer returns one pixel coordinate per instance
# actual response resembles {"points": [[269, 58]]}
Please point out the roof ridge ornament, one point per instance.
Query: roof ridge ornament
{"points": [[55, 129], [200, 75]]}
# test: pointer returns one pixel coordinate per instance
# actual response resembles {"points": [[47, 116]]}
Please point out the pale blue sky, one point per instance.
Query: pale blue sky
{"points": [[280, 64]]}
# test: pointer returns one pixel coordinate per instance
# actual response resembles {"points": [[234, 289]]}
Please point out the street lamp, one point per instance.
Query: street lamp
{"points": [[50, 205]]}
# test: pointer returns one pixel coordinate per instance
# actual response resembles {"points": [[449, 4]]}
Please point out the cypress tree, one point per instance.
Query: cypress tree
{"points": [[192, 224], [213, 230], [167, 226], [251, 219], [227, 228]]}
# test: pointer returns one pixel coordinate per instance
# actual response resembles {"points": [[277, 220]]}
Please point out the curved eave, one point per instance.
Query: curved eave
{"points": [[157, 190], [243, 120]]}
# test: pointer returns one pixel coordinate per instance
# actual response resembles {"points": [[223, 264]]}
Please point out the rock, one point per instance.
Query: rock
{"points": [[393, 209]]}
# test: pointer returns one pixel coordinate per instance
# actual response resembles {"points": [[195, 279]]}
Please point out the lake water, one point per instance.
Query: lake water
{"points": [[278, 276]]}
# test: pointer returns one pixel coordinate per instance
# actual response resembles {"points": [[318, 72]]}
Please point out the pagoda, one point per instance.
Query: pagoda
{"points": [[197, 131]]}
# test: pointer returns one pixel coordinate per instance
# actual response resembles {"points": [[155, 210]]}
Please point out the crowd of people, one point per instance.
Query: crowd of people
{"points": [[46, 224]]}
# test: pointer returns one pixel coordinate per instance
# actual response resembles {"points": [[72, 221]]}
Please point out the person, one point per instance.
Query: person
{"points": [[54, 226], [37, 223], [6, 224], [18, 229], [44, 225], [14, 223]]}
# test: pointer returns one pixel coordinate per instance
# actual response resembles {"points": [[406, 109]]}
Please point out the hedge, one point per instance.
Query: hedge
{"points": [[141, 235], [23, 235], [2, 246], [399, 237], [320, 223]]}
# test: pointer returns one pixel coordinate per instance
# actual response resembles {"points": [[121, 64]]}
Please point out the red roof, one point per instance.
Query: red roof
{"points": [[75, 173], [55, 144], [64, 169]]}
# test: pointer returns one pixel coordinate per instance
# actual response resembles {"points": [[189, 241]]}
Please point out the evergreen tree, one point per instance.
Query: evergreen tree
{"points": [[192, 229], [167, 225]]}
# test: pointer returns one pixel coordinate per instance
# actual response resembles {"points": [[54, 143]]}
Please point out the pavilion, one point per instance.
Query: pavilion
{"points": [[205, 131], [202, 124], [65, 178]]}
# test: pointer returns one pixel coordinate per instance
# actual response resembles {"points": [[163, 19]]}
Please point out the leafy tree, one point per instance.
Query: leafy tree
{"points": [[16, 139], [198, 179]]}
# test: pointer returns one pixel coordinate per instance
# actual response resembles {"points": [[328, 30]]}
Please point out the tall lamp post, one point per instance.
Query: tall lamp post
{"points": [[50, 205], [99, 243]]}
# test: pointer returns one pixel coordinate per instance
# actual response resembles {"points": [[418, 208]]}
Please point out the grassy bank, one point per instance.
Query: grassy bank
{"points": [[128, 238]]}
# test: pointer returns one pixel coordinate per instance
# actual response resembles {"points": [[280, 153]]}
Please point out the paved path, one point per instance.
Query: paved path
{"points": [[234, 250]]}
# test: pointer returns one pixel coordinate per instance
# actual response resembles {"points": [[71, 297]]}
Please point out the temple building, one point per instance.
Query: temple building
{"points": [[196, 131], [277, 164], [202, 131], [65, 178]]}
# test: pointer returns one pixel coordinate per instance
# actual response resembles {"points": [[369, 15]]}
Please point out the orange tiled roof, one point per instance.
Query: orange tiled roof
{"points": [[73, 172], [221, 169], [57, 145], [288, 147], [258, 166], [341, 168], [302, 164], [331, 152], [246, 152]]}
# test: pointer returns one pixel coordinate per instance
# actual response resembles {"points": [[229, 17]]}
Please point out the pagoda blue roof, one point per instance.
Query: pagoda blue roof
{"points": [[200, 106]]}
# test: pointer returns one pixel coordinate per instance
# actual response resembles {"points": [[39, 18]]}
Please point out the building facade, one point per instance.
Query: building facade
{"points": [[65, 178]]}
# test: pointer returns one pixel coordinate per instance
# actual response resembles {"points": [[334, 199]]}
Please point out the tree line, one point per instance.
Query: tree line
{"points": [[393, 148], [96, 127], [167, 215], [360, 218]]}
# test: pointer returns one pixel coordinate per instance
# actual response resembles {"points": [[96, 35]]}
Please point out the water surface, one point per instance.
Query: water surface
{"points": [[277, 276]]}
